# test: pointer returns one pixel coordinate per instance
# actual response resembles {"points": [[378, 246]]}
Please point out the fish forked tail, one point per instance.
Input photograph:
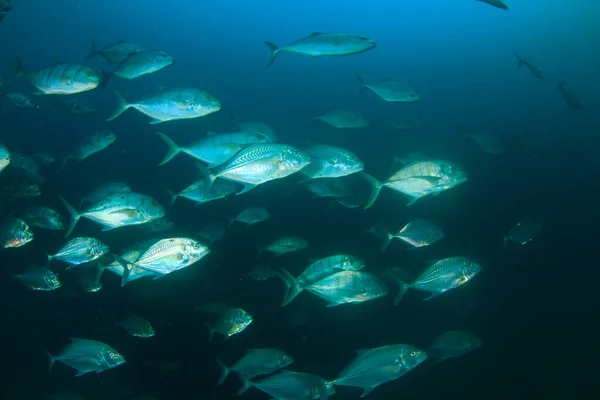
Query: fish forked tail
{"points": [[361, 82], [74, 214], [174, 148], [292, 287], [376, 186], [105, 77], [123, 106], [21, 71], [51, 358], [172, 197], [208, 175], [93, 51], [386, 242], [246, 384], [211, 332], [225, 370], [274, 52], [127, 268]]}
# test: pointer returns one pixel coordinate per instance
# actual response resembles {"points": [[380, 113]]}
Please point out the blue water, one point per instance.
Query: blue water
{"points": [[535, 308]]}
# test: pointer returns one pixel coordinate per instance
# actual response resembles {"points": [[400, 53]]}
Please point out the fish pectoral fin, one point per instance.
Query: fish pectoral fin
{"points": [[247, 186], [367, 390], [432, 296], [158, 276], [156, 121], [79, 373], [333, 304]]}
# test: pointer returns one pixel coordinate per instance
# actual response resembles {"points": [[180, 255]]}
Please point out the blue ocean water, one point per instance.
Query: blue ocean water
{"points": [[534, 307]]}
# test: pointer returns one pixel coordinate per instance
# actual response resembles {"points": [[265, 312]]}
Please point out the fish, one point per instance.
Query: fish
{"points": [[288, 385], [284, 245], [29, 166], [131, 256], [213, 231], [43, 217], [317, 270], [5, 157], [261, 163], [78, 107], [20, 100], [231, 321], [216, 148], [417, 233], [38, 278], [441, 276], [488, 141], [171, 104], [166, 256], [105, 190], [404, 124], [452, 344], [496, 3], [203, 191], [90, 278], [117, 210], [374, 367], [331, 162], [391, 91], [137, 327], [80, 250], [251, 216], [14, 232], [61, 79], [90, 144], [569, 96], [530, 66], [262, 273], [346, 286], [142, 63], [84, 356], [254, 363], [258, 128], [114, 53], [523, 231], [319, 44], [419, 179], [329, 187], [343, 118]]}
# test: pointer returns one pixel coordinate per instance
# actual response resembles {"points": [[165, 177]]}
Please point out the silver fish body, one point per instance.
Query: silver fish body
{"points": [[43, 217], [254, 363], [91, 144], [284, 245], [342, 118], [231, 322], [61, 79], [331, 162], [39, 279], [288, 385], [348, 287], [86, 356], [137, 327], [252, 215], [5, 157], [14, 232], [115, 52], [20, 100], [391, 91], [143, 63], [80, 250]]}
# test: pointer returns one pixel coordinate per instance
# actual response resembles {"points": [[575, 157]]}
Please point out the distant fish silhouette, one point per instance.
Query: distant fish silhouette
{"points": [[571, 98], [495, 3]]}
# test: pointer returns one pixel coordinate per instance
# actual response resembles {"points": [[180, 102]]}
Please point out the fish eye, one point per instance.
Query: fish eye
{"points": [[196, 245], [413, 353]]}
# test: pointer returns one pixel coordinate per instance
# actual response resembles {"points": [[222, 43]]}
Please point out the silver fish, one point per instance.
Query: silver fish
{"points": [[452, 344], [523, 231], [86, 355], [90, 144], [254, 363], [171, 104], [38, 278], [343, 118], [80, 250], [216, 148], [137, 327], [143, 63], [341, 287], [231, 321], [5, 157], [391, 91], [419, 179], [131, 256], [20, 100], [261, 163], [530, 66], [118, 210], [441, 276], [284, 245], [376, 366], [319, 44], [288, 385], [14, 232], [166, 256], [417, 233], [331, 162], [115, 52], [61, 79], [251, 215], [43, 217], [203, 191]]}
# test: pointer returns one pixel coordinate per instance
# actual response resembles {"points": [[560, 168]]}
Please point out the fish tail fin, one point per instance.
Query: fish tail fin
{"points": [[127, 267], [230, 221], [293, 288], [211, 332], [51, 358], [208, 175], [93, 51], [246, 384], [172, 197], [274, 51], [105, 77], [224, 371], [75, 216], [361, 82], [174, 148], [376, 188], [401, 291], [519, 59], [386, 242], [21, 71], [123, 106]]}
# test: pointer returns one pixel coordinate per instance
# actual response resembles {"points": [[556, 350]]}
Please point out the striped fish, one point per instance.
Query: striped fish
{"points": [[61, 79], [171, 104]]}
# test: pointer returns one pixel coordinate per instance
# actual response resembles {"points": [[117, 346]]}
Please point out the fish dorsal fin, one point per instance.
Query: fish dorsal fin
{"points": [[316, 34], [360, 352]]}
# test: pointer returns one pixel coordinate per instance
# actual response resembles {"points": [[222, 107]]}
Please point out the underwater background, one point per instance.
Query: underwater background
{"points": [[535, 307]]}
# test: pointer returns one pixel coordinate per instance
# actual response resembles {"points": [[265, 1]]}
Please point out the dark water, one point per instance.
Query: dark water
{"points": [[535, 308]]}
